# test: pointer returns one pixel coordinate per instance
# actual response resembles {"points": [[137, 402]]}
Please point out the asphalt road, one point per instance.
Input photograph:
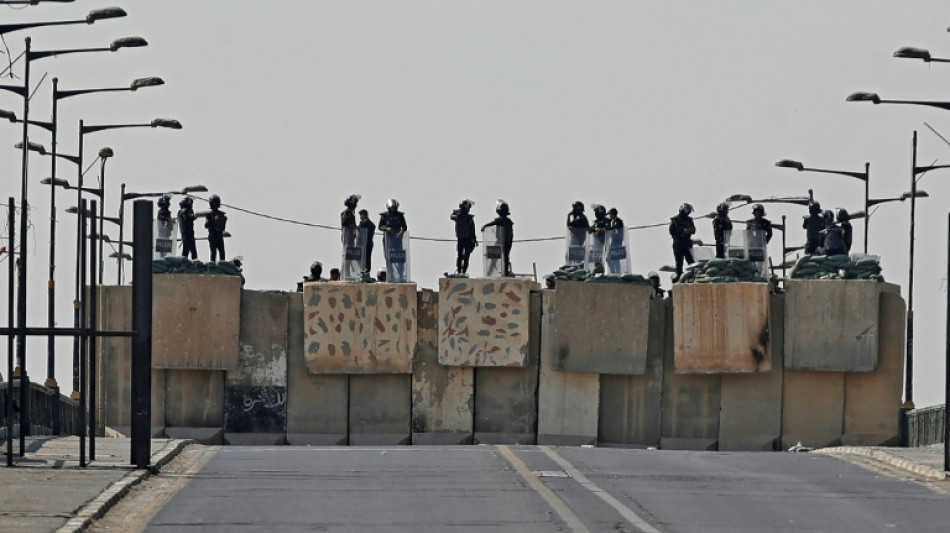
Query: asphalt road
{"points": [[529, 488]]}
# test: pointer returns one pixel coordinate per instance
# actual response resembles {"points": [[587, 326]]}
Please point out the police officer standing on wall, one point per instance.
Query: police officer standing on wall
{"points": [[682, 230], [316, 270], [813, 225], [392, 222], [721, 224], [507, 231], [348, 219], [759, 222], [186, 220], [847, 232], [576, 219], [466, 240], [367, 232], [216, 221]]}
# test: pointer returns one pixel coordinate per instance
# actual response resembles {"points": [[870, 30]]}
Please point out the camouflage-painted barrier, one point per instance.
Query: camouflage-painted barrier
{"points": [[359, 328]]}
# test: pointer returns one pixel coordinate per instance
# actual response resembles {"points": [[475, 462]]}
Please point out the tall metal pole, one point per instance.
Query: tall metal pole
{"points": [[92, 342], [784, 233], [21, 274], [78, 295], [9, 392], [909, 365], [51, 285], [121, 261], [946, 373], [83, 210], [141, 440], [102, 211], [867, 191]]}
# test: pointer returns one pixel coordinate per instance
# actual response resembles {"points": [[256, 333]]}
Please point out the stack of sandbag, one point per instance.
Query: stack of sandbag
{"points": [[597, 275], [728, 270], [840, 266], [182, 265]]}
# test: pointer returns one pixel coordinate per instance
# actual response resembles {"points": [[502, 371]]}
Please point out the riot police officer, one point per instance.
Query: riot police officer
{"points": [[832, 237], [316, 270], [367, 232], [164, 211], [392, 222], [506, 231], [466, 240], [759, 222], [813, 225], [682, 230], [186, 221], [348, 219], [215, 222], [654, 278], [576, 219], [847, 232], [721, 224]]}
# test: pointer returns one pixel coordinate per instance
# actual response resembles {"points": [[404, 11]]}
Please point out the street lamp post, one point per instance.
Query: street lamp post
{"points": [[863, 176]]}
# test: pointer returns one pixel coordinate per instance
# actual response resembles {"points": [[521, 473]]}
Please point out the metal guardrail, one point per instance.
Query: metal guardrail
{"points": [[44, 403], [925, 426]]}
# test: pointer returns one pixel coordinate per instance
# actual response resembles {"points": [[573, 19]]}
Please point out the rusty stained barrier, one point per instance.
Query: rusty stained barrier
{"points": [[721, 328], [359, 328]]}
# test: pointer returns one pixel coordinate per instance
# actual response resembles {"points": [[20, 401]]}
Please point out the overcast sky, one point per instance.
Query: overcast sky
{"points": [[290, 106]]}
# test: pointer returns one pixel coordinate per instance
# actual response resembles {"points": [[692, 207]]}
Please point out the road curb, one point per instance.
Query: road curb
{"points": [[884, 457], [98, 506]]}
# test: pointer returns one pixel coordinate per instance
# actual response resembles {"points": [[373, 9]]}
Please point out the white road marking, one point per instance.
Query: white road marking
{"points": [[628, 514], [556, 503]]}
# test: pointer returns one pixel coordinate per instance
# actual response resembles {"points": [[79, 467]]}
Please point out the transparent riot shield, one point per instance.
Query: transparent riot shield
{"points": [[493, 251], [396, 251], [757, 250], [575, 250], [735, 244], [166, 238], [618, 260], [352, 254], [595, 250]]}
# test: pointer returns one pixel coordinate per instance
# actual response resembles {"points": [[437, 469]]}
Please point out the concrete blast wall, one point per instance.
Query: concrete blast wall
{"points": [[679, 373]]}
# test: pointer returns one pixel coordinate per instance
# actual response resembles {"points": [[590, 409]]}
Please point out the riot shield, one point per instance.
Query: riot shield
{"points": [[352, 254], [166, 238], [618, 260], [493, 251], [735, 244], [757, 250], [396, 251], [595, 250], [576, 246]]}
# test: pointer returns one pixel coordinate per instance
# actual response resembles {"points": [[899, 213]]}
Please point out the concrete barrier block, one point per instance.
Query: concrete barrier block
{"points": [[567, 401], [359, 328], [316, 404], [207, 436], [256, 389], [255, 439], [872, 399], [602, 327], [195, 321], [115, 365], [750, 416], [721, 328], [484, 322], [380, 410], [812, 407], [506, 407], [690, 403], [443, 397], [194, 398], [831, 325], [630, 406]]}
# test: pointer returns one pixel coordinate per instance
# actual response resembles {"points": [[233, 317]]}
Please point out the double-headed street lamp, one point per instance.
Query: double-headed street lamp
{"points": [[863, 176]]}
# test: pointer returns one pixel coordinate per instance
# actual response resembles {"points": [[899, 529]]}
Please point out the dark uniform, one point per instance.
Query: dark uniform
{"points": [[507, 234], [348, 225], [762, 224], [465, 237], [682, 230], [367, 232], [186, 221], [391, 223], [721, 224], [215, 222], [813, 225]]}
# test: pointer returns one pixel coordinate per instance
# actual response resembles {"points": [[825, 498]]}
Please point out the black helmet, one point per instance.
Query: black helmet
{"points": [[686, 209], [578, 207], [843, 215], [466, 205], [599, 210], [214, 201], [722, 208], [828, 216], [317, 267], [186, 202], [652, 275], [164, 201], [814, 208], [352, 200], [758, 208], [392, 204], [501, 207], [613, 211]]}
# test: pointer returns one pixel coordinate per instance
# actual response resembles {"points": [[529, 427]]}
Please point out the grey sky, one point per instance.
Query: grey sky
{"points": [[290, 106]]}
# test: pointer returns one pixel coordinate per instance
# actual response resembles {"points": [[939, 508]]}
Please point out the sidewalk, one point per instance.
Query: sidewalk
{"points": [[47, 491], [926, 461]]}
